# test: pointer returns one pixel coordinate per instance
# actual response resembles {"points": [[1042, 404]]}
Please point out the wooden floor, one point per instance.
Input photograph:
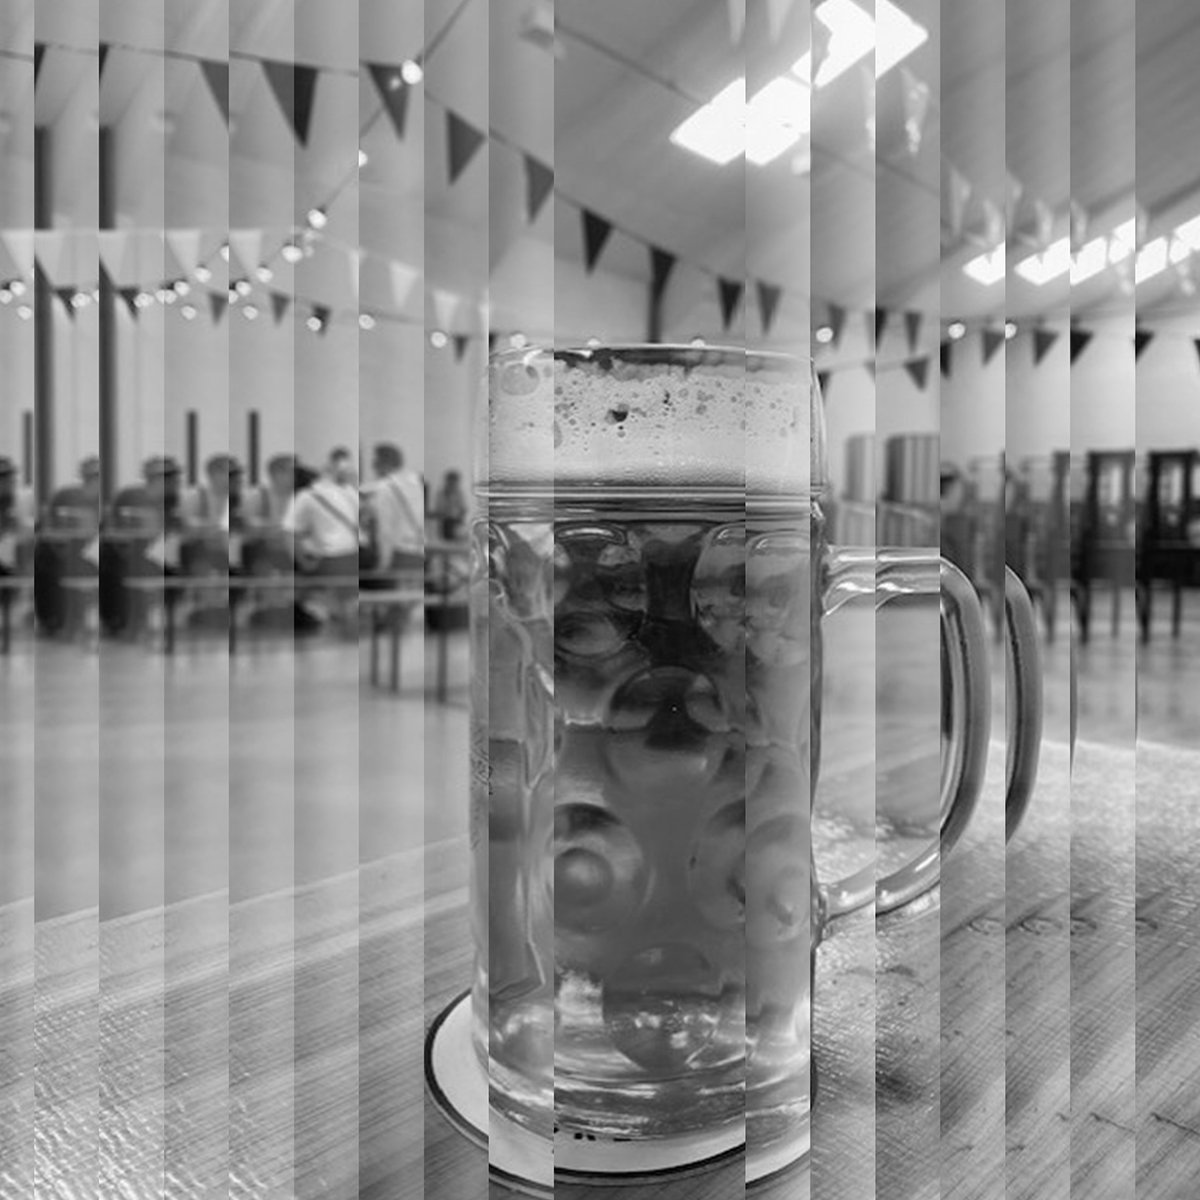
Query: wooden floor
{"points": [[231, 893]]}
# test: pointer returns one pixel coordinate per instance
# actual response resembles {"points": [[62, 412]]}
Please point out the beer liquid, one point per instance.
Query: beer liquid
{"points": [[643, 729]]}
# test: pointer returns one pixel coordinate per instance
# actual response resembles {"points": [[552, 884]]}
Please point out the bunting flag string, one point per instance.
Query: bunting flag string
{"points": [[295, 88], [1079, 342], [918, 371], [320, 317], [881, 320], [460, 341], [730, 293], [768, 302], [993, 339], [65, 296], [1043, 341], [912, 330], [393, 94], [596, 231], [39, 54], [837, 322], [280, 303], [662, 262], [216, 75], [462, 143], [945, 357], [539, 182]]}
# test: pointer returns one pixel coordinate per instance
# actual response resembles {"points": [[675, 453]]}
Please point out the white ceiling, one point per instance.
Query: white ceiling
{"points": [[1042, 89]]}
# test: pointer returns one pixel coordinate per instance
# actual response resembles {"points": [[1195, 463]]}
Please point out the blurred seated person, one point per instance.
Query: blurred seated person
{"points": [[266, 550], [153, 506], [322, 526], [451, 506], [956, 523], [76, 507], [212, 516], [395, 507], [18, 518]]}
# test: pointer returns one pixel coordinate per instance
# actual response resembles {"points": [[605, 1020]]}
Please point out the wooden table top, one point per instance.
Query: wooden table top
{"points": [[274, 1047]]}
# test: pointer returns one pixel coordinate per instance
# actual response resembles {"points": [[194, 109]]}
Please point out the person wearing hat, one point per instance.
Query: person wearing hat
{"points": [[153, 505]]}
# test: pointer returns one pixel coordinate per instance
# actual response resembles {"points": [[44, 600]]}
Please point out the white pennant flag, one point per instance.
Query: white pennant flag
{"points": [[19, 244], [247, 245], [403, 278], [737, 20], [113, 244], [185, 245], [445, 305], [777, 15]]}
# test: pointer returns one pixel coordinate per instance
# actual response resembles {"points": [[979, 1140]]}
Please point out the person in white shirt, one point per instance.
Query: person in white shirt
{"points": [[322, 521], [397, 508]]}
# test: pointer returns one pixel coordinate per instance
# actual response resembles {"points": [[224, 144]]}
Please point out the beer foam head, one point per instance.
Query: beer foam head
{"points": [[651, 416]]}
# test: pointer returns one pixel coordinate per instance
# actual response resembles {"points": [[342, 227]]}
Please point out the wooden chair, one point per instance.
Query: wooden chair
{"points": [[1165, 552], [1103, 535]]}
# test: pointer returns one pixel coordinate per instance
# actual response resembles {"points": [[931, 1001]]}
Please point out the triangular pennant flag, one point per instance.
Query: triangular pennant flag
{"points": [[595, 234], [918, 370], [1043, 340], [1079, 342], [403, 278], [111, 245], [837, 322], [50, 248], [777, 15], [944, 357], [393, 91], [493, 338], [912, 329], [462, 141], [321, 312], [661, 264], [247, 245], [64, 295], [185, 245], [539, 182], [768, 302], [881, 320], [129, 295], [445, 306], [460, 341], [1196, 343], [737, 21], [280, 303], [823, 378], [295, 88], [993, 339], [730, 293], [216, 75], [103, 59], [1141, 339], [39, 53], [19, 244], [218, 302]]}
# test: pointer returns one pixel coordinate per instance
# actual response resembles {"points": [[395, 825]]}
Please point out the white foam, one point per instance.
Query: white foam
{"points": [[702, 421]]}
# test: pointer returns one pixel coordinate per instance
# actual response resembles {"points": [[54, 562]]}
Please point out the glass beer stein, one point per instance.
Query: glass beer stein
{"points": [[651, 574]]}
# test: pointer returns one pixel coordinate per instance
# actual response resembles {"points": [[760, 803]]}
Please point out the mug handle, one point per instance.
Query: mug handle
{"points": [[891, 573]]}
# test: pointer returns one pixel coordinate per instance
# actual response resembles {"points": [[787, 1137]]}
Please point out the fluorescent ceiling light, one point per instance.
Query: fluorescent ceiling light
{"points": [[897, 35], [1189, 233], [776, 119], [987, 268], [892, 34], [717, 130], [1121, 243], [1151, 259], [1091, 260], [1041, 268]]}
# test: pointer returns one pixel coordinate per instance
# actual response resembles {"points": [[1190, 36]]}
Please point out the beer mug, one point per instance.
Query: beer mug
{"points": [[651, 572]]}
